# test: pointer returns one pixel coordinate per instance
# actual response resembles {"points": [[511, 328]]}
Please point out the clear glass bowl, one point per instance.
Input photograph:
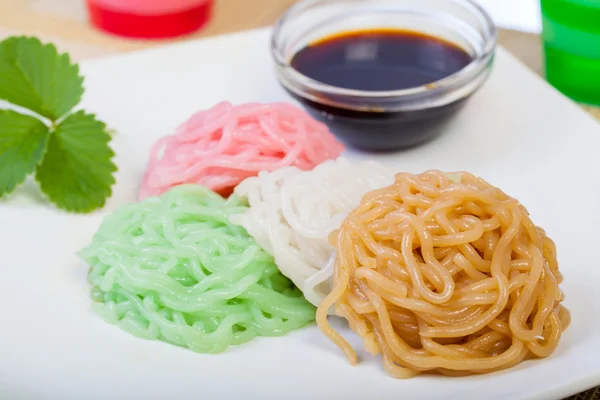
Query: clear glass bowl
{"points": [[385, 120]]}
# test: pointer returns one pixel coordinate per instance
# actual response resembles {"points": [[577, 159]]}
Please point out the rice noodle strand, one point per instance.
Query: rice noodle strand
{"points": [[445, 273], [222, 146]]}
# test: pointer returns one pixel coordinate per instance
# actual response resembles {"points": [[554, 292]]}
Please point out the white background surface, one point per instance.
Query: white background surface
{"points": [[517, 132], [523, 15]]}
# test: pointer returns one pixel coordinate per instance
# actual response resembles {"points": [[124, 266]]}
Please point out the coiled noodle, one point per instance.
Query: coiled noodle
{"points": [[292, 212], [446, 273], [220, 147], [174, 268]]}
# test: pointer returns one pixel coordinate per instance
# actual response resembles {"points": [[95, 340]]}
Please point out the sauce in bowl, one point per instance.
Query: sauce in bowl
{"points": [[379, 60], [383, 74]]}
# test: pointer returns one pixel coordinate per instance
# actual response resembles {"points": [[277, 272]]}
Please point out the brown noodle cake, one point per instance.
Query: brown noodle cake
{"points": [[445, 273]]}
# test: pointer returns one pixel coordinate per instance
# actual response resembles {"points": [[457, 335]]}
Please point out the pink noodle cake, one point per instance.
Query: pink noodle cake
{"points": [[222, 146]]}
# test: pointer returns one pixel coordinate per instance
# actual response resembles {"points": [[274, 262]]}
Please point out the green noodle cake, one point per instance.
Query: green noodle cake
{"points": [[174, 268]]}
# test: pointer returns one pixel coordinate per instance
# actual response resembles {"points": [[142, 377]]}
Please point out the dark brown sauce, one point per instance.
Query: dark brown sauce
{"points": [[380, 60]]}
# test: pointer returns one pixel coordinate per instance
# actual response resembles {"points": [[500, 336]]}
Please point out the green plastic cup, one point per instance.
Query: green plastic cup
{"points": [[571, 34]]}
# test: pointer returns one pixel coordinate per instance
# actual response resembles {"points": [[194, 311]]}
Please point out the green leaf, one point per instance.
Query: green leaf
{"points": [[37, 77], [22, 144], [77, 171]]}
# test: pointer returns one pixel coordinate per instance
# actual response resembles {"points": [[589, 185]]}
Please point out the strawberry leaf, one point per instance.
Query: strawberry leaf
{"points": [[35, 76], [77, 171], [22, 145]]}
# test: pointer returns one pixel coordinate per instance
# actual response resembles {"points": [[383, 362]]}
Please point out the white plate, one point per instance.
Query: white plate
{"points": [[517, 132]]}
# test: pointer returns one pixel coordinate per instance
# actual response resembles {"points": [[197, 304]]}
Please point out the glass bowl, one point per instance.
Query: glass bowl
{"points": [[385, 120]]}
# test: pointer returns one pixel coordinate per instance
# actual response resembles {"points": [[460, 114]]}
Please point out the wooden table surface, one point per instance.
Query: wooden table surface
{"points": [[64, 22]]}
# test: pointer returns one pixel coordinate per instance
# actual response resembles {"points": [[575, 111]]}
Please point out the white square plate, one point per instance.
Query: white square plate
{"points": [[517, 132]]}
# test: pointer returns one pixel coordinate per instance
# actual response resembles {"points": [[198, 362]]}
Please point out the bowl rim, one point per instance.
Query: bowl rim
{"points": [[292, 78]]}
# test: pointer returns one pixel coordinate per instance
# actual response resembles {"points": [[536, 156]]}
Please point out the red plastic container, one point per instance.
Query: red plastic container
{"points": [[150, 19]]}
